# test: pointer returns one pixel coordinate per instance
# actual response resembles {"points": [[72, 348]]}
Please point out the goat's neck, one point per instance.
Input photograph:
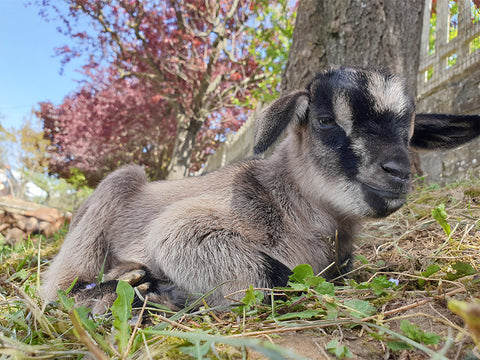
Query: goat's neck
{"points": [[312, 227], [323, 188], [291, 184]]}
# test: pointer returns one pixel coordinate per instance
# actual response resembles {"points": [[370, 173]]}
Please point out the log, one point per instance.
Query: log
{"points": [[31, 226], [19, 218], [14, 236], [20, 221], [45, 214], [4, 227]]}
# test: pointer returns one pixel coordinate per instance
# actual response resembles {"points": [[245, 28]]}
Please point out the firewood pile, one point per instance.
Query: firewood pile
{"points": [[17, 222]]}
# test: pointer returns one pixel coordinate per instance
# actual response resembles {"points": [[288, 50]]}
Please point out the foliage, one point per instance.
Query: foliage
{"points": [[432, 28], [60, 194], [440, 215], [470, 312], [122, 312], [95, 130], [414, 332], [270, 44], [340, 351], [453, 20], [164, 80], [6, 137], [27, 151], [474, 44], [33, 154]]}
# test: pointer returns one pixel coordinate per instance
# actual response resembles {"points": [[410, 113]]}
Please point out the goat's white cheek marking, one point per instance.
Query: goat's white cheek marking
{"points": [[343, 112], [367, 168], [388, 95], [359, 147]]}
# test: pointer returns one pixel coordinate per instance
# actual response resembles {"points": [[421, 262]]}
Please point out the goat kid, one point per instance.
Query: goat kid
{"points": [[345, 159]]}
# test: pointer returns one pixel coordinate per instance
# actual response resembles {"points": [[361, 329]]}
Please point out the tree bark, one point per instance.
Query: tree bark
{"points": [[181, 159], [367, 33]]}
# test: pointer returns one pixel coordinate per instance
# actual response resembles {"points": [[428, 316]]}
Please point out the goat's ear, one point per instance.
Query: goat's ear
{"points": [[439, 131], [275, 118]]}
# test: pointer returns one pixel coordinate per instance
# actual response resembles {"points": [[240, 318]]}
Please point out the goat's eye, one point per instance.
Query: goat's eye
{"points": [[326, 122]]}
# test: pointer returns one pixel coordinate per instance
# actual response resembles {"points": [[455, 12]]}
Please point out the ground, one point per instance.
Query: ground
{"points": [[396, 303]]}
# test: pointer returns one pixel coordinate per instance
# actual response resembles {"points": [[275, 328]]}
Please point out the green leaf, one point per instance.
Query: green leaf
{"points": [[340, 351], [307, 314], [252, 296], [313, 281], [265, 348], [67, 302], [415, 333], [440, 215], [325, 288], [300, 273], [298, 287], [83, 320], [197, 350], [122, 312], [432, 269], [85, 316], [362, 259], [359, 308], [461, 269], [379, 284], [332, 310], [398, 345], [249, 298]]}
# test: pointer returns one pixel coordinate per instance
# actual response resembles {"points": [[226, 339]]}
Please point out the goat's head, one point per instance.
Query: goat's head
{"points": [[350, 131]]}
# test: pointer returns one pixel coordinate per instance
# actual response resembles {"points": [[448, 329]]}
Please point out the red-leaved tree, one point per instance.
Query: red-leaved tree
{"points": [[105, 125], [165, 81]]}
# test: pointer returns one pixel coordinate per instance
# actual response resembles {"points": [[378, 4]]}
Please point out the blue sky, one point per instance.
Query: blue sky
{"points": [[29, 69]]}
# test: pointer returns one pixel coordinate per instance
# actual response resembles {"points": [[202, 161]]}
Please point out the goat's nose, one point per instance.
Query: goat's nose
{"points": [[400, 169]]}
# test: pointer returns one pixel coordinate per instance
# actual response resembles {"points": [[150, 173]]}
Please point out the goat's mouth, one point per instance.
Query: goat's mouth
{"points": [[384, 201], [392, 194]]}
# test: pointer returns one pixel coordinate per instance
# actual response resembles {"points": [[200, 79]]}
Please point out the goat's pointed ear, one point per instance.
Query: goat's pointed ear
{"points": [[439, 131], [275, 118]]}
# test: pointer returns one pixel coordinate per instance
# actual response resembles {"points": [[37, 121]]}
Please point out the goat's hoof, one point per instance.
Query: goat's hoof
{"points": [[144, 287], [133, 277]]}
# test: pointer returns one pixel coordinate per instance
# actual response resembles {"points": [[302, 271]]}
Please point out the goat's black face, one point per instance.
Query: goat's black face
{"points": [[360, 123], [350, 131]]}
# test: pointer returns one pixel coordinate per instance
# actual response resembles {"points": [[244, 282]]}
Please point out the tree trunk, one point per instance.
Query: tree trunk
{"points": [[181, 160], [367, 33]]}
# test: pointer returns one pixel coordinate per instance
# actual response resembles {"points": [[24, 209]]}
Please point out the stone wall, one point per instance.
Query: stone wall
{"points": [[446, 86], [457, 96]]}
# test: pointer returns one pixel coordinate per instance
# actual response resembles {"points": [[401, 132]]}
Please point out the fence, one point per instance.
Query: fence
{"points": [[450, 43]]}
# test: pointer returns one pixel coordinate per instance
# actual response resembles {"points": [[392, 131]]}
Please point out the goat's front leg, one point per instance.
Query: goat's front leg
{"points": [[198, 251]]}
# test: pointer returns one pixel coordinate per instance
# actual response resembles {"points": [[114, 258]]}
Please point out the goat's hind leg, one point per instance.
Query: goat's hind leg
{"points": [[88, 246]]}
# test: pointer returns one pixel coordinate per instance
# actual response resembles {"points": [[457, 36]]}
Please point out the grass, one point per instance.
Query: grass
{"points": [[416, 276]]}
